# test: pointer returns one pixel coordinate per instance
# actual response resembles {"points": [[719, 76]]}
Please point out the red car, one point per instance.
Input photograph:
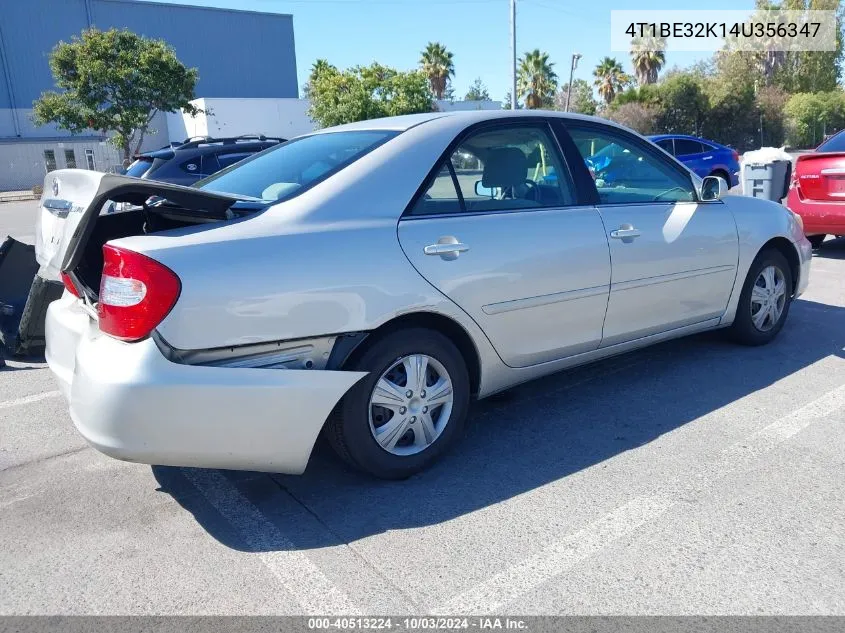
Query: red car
{"points": [[817, 190]]}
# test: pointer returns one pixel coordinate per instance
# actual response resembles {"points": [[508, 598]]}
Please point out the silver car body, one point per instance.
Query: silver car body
{"points": [[537, 291]]}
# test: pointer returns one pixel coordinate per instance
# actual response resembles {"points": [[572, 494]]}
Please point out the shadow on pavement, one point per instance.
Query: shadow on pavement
{"points": [[532, 435], [831, 249]]}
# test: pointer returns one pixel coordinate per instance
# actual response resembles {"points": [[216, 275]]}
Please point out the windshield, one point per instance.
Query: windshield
{"points": [[835, 143], [283, 171]]}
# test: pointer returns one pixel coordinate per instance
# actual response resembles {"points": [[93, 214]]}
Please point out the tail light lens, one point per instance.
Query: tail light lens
{"points": [[69, 285], [136, 293], [735, 155]]}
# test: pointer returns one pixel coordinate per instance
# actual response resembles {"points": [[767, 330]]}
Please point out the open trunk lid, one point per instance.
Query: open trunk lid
{"points": [[74, 199], [821, 176]]}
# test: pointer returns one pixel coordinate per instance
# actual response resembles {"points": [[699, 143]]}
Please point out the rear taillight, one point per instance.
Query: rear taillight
{"points": [[136, 293], [69, 285], [735, 155], [793, 180]]}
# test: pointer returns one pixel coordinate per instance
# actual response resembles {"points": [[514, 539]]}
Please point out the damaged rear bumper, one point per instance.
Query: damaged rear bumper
{"points": [[131, 403]]}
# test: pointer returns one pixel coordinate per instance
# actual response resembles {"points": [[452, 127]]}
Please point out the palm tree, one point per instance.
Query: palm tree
{"points": [[536, 81], [610, 79], [648, 57], [436, 63]]}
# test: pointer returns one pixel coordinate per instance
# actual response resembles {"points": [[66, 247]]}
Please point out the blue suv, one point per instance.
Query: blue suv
{"points": [[705, 158]]}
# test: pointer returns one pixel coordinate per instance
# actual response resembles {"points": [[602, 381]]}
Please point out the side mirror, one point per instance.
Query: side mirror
{"points": [[713, 188], [485, 192]]}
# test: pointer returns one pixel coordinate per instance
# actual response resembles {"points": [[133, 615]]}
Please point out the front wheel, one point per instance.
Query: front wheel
{"points": [[408, 410], [765, 299]]}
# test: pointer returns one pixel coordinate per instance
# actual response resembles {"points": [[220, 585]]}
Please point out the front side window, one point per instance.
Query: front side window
{"points": [[666, 144], [503, 169], [624, 172], [284, 170]]}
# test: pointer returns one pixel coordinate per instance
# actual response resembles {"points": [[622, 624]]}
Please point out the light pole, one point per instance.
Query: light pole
{"points": [[513, 54], [572, 67]]}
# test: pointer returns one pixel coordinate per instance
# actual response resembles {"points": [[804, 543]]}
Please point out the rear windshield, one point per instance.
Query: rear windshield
{"points": [[139, 167], [835, 143], [283, 171]]}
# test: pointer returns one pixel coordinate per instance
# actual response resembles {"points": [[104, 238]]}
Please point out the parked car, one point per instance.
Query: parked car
{"points": [[356, 281], [197, 158], [817, 190], [703, 157]]}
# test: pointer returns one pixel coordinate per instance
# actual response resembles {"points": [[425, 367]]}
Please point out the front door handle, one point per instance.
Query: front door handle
{"points": [[447, 248], [625, 232]]}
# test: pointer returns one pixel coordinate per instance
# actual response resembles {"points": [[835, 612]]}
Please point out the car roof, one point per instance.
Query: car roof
{"points": [[689, 137], [407, 121]]}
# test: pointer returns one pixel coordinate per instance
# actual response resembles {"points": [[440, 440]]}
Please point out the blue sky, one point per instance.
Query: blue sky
{"points": [[393, 32]]}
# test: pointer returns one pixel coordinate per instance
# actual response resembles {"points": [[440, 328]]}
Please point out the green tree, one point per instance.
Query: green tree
{"points": [[581, 101], [610, 79], [683, 104], [366, 92], [318, 68], [477, 91], [811, 115], [536, 81], [648, 57], [731, 118], [436, 62], [115, 81]]}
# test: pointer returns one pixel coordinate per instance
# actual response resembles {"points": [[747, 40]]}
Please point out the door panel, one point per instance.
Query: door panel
{"points": [[678, 271], [674, 259], [536, 282]]}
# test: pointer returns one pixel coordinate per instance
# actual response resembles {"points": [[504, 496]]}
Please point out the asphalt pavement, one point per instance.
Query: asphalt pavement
{"points": [[694, 477]]}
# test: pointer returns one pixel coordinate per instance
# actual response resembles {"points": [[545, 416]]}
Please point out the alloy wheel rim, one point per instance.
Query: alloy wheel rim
{"points": [[410, 405], [768, 298]]}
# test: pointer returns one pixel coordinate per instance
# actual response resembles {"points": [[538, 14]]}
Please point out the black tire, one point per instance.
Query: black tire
{"points": [[724, 176], [348, 429], [743, 329], [816, 240]]}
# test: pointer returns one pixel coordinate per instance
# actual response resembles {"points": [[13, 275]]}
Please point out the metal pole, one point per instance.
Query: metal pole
{"points": [[572, 66], [513, 54]]}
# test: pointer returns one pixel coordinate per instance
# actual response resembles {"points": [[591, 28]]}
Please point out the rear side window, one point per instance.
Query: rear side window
{"points": [[835, 143], [500, 169], [685, 146], [286, 170]]}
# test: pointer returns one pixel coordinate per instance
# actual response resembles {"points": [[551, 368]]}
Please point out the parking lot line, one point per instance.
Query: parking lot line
{"points": [[510, 584], [524, 576], [302, 579], [29, 399]]}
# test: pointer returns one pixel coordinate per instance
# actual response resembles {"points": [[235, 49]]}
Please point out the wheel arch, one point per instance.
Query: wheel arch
{"points": [[787, 249], [353, 346]]}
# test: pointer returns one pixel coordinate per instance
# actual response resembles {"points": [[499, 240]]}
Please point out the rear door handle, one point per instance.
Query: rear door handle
{"points": [[447, 248], [625, 233]]}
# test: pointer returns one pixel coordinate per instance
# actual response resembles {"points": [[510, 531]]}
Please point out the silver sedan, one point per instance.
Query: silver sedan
{"points": [[370, 280]]}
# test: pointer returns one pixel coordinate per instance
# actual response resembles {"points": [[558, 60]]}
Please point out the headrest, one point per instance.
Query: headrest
{"points": [[504, 167]]}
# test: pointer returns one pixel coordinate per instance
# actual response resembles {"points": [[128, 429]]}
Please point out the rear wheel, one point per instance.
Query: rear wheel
{"points": [[816, 240], [723, 175], [408, 410], [765, 299]]}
